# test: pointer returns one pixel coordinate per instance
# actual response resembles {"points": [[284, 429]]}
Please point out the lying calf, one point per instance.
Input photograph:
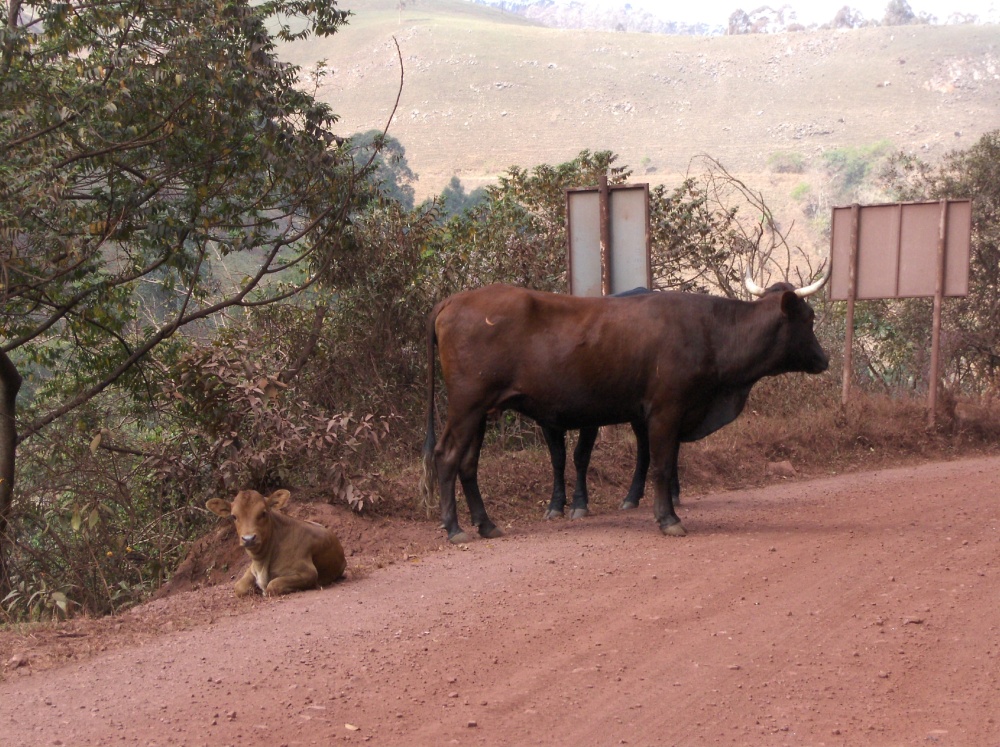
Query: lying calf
{"points": [[286, 554]]}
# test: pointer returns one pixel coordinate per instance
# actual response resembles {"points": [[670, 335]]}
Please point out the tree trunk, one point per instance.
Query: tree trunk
{"points": [[10, 384]]}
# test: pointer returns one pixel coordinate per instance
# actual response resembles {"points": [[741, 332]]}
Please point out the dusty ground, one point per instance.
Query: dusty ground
{"points": [[845, 610]]}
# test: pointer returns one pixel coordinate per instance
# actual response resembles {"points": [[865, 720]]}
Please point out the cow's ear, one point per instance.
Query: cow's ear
{"points": [[219, 506], [790, 304], [278, 499]]}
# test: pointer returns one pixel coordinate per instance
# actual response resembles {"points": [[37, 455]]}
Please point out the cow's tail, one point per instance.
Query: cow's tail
{"points": [[428, 477]]}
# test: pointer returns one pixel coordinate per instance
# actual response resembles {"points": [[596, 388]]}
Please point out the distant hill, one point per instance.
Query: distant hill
{"points": [[484, 90]]}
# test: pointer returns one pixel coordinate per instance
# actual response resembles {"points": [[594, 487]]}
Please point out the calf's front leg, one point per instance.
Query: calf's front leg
{"points": [[246, 584]]}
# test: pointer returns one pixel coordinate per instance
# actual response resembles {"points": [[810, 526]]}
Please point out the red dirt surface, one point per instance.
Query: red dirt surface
{"points": [[845, 610]]}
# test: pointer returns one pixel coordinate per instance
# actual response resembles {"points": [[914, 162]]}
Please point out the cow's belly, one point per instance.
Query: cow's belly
{"points": [[699, 410], [572, 414]]}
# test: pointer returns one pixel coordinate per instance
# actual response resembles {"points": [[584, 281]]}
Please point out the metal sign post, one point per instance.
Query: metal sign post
{"points": [[603, 196], [852, 294], [936, 320]]}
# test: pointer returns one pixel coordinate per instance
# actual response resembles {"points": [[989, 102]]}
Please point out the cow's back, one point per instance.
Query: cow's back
{"points": [[492, 333], [295, 539]]}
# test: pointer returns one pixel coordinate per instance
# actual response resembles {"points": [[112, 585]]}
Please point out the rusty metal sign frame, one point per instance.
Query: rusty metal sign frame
{"points": [[894, 251], [619, 251]]}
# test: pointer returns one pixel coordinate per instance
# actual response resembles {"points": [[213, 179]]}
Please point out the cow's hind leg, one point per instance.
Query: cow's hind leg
{"points": [[469, 475], [305, 576], [581, 462], [451, 450], [555, 439]]}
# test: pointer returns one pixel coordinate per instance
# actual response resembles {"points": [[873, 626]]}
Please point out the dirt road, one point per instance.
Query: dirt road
{"points": [[857, 609]]}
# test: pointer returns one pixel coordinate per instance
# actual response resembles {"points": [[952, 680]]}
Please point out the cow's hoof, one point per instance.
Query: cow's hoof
{"points": [[579, 513], [553, 514], [491, 532], [459, 538], [627, 506], [674, 530]]}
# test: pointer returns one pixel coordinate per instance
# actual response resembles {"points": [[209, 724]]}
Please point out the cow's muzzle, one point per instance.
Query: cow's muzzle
{"points": [[248, 540], [820, 364]]}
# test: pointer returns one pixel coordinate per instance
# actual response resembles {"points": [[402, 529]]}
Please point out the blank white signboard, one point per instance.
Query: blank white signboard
{"points": [[628, 212]]}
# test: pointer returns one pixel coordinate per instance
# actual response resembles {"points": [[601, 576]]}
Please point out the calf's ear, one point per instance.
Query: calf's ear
{"points": [[278, 499], [219, 506]]}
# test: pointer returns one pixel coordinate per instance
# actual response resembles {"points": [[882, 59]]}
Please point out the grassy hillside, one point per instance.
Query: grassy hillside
{"points": [[484, 90]]}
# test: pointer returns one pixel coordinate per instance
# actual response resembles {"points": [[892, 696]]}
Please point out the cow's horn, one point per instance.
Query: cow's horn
{"points": [[755, 290], [810, 289]]}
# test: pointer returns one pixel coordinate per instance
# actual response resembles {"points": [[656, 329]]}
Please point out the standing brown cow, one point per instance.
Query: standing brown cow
{"points": [[676, 365], [286, 554]]}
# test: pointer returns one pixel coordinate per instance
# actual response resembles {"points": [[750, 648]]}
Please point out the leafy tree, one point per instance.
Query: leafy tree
{"points": [[141, 144], [384, 158], [848, 18], [739, 23], [972, 324], [387, 300], [899, 13], [454, 199]]}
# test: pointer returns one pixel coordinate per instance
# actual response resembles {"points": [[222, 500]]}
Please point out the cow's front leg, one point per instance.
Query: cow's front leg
{"points": [[638, 486], [581, 463], [664, 448], [555, 439], [246, 584]]}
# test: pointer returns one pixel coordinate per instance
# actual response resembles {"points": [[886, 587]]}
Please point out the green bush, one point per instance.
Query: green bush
{"points": [[850, 167], [801, 191], [786, 162]]}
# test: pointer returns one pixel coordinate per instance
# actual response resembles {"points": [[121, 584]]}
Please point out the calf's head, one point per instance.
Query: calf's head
{"points": [[252, 513]]}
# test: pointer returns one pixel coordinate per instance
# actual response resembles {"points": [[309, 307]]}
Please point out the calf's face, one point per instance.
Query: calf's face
{"points": [[252, 513]]}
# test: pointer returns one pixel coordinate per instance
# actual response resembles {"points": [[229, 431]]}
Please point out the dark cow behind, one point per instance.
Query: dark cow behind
{"points": [[680, 365], [555, 439]]}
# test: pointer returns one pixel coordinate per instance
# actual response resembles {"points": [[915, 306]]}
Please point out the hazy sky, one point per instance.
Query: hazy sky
{"points": [[811, 11]]}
